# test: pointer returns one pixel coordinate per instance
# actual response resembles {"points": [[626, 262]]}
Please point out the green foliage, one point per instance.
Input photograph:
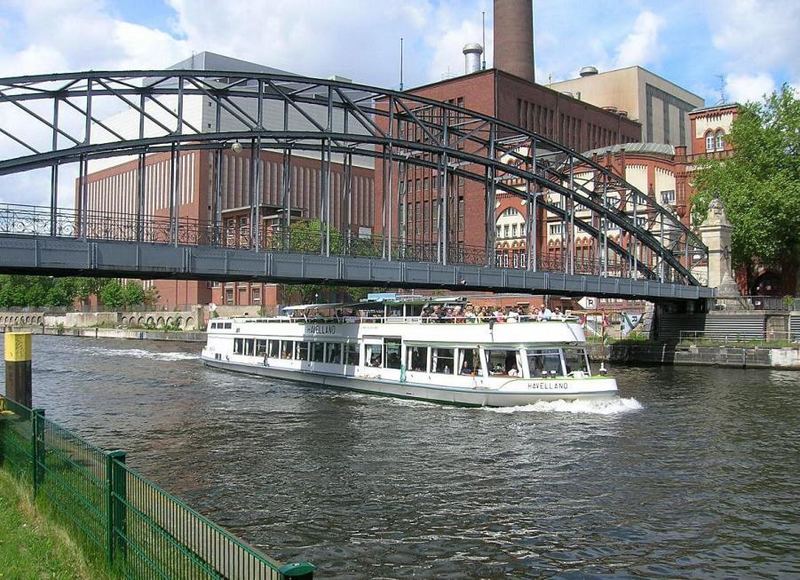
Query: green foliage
{"points": [[306, 237], [45, 291], [760, 184]]}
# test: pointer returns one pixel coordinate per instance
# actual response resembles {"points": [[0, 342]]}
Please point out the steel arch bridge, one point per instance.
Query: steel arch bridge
{"points": [[56, 121]]}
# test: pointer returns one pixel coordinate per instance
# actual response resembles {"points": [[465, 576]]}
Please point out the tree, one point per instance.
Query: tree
{"points": [[132, 294], [759, 184], [112, 294]]}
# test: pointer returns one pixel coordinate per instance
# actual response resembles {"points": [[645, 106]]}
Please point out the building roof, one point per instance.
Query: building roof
{"points": [[721, 107], [646, 148], [212, 61]]}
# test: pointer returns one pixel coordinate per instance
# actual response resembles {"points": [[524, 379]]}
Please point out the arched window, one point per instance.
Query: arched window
{"points": [[720, 144], [710, 142]]}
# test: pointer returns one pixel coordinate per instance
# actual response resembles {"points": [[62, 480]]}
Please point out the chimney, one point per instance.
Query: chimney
{"points": [[472, 57], [513, 37]]}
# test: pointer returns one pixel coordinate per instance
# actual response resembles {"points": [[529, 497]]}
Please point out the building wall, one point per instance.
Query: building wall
{"points": [[661, 106]]}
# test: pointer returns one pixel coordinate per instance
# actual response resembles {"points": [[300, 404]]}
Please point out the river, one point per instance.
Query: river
{"points": [[692, 473]]}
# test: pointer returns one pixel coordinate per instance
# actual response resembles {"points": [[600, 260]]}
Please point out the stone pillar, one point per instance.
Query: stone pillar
{"points": [[716, 234]]}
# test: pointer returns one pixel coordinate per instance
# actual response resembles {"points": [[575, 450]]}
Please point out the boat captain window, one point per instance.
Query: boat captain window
{"points": [[544, 362], [575, 360]]}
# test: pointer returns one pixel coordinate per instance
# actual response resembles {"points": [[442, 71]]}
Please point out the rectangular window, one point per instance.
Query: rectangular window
{"points": [[442, 361], [238, 345], [301, 350], [352, 353], [255, 295], [261, 347], [372, 355], [668, 196], [334, 353], [502, 362], [318, 351], [417, 358], [391, 352], [544, 362], [470, 361], [273, 348], [287, 349], [249, 346]]}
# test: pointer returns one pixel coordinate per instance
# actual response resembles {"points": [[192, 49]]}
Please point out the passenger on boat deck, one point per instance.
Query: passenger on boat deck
{"points": [[513, 372], [499, 316], [546, 314], [466, 369], [513, 315], [375, 362]]}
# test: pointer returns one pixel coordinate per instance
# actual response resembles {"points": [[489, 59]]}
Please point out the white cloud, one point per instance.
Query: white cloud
{"points": [[741, 88], [757, 35], [641, 47]]}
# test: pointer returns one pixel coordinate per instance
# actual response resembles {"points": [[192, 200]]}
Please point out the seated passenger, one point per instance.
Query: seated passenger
{"points": [[513, 372], [466, 369]]}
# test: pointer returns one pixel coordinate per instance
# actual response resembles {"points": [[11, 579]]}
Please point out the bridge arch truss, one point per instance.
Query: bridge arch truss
{"points": [[60, 120]]}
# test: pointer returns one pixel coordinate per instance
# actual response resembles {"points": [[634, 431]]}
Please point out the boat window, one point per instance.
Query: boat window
{"points": [[213, 325], [301, 350], [372, 355], [352, 354], [287, 349], [273, 348], [442, 361], [417, 358], [544, 362], [261, 347], [391, 348], [470, 361], [238, 345], [227, 325], [502, 362], [249, 346], [318, 351], [334, 353], [575, 360]]}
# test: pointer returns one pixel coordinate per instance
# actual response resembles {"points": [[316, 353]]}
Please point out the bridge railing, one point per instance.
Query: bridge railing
{"points": [[162, 229]]}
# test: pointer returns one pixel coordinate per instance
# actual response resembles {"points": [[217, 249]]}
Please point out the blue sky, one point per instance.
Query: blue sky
{"points": [[742, 47]]}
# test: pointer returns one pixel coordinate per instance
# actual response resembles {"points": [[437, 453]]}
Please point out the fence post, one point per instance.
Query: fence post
{"points": [[37, 448], [116, 502]]}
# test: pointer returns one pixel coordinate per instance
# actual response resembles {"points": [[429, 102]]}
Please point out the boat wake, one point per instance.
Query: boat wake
{"points": [[589, 407], [139, 353]]}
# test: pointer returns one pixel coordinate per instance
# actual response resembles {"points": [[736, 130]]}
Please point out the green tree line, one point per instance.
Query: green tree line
{"points": [[45, 291]]}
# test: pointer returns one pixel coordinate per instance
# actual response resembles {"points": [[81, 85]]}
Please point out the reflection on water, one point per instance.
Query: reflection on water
{"points": [[692, 473]]}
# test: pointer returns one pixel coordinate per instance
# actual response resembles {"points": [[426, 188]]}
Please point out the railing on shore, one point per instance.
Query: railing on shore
{"points": [[116, 514], [774, 303], [766, 337]]}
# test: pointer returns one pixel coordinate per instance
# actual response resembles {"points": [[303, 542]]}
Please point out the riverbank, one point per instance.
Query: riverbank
{"points": [[32, 546], [763, 357], [126, 333]]}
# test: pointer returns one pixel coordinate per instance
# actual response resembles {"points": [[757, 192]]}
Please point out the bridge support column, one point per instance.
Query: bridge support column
{"points": [[18, 368]]}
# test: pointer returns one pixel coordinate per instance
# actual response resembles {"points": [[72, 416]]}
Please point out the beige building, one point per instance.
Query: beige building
{"points": [[660, 106]]}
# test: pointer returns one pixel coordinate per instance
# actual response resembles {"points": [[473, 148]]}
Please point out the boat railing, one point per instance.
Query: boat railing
{"points": [[459, 319]]}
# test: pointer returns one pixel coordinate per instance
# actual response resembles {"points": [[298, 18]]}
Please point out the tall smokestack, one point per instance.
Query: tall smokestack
{"points": [[513, 37]]}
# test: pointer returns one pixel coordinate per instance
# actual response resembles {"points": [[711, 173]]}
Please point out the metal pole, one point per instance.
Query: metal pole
{"points": [[54, 173], [571, 235], [490, 200], [605, 227], [251, 193], [390, 204]]}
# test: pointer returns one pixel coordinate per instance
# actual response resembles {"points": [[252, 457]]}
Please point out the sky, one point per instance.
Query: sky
{"points": [[731, 50], [736, 49]]}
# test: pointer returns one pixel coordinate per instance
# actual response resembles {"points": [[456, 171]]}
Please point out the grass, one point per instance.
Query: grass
{"points": [[31, 546]]}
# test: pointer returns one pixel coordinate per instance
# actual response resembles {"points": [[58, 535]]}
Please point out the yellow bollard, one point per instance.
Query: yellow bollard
{"points": [[18, 368]]}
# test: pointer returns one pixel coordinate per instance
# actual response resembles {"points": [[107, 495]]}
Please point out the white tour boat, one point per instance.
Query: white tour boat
{"points": [[399, 353]]}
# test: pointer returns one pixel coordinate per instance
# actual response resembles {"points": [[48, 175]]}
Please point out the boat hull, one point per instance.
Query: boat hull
{"points": [[543, 390]]}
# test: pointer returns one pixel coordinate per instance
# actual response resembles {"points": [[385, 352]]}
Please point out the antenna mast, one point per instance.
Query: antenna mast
{"points": [[483, 38], [401, 63]]}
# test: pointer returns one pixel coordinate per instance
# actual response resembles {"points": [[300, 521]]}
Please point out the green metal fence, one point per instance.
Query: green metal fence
{"points": [[116, 514]]}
